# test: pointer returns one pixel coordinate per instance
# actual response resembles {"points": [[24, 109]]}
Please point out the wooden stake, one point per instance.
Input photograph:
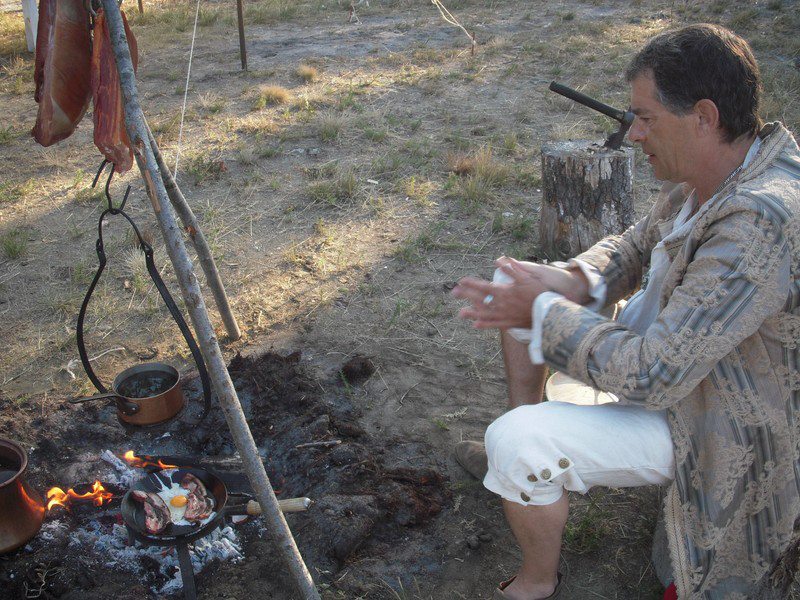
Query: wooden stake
{"points": [[141, 8], [190, 290], [201, 246], [242, 46]]}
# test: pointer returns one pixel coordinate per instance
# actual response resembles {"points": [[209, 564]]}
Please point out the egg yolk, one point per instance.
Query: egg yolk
{"points": [[178, 501]]}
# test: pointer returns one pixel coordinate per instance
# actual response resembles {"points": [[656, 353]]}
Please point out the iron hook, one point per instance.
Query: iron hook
{"points": [[111, 208]]}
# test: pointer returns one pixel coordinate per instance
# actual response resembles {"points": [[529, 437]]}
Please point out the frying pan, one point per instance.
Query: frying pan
{"points": [[134, 515]]}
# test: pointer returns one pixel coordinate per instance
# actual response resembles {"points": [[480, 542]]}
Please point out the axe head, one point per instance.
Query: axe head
{"points": [[614, 141]]}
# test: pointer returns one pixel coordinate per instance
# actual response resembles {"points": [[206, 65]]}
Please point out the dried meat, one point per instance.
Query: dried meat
{"points": [[61, 73], [110, 135]]}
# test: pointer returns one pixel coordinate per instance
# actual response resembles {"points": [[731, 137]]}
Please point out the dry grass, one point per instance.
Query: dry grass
{"points": [[14, 243], [307, 73], [425, 167], [12, 35], [270, 95], [329, 127]]}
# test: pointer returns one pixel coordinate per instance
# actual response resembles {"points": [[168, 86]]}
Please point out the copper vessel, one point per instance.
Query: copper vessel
{"points": [[147, 394], [21, 507]]}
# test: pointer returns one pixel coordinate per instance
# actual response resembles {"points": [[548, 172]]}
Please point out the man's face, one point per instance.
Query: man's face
{"points": [[666, 138]]}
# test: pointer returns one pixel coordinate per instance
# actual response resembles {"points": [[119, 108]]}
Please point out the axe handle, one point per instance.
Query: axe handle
{"points": [[587, 101]]}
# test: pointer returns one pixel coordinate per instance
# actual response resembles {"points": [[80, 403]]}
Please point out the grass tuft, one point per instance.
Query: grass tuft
{"points": [[204, 166], [419, 191], [13, 191], [375, 135], [211, 102], [307, 73], [744, 19], [343, 189], [585, 533], [329, 127], [7, 135], [269, 12], [270, 95], [12, 34], [14, 243]]}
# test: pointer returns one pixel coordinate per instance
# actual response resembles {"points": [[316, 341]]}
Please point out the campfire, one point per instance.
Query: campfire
{"points": [[313, 449], [141, 462], [98, 495]]}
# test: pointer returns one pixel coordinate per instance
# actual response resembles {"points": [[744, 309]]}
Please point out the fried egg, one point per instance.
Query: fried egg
{"points": [[174, 497]]}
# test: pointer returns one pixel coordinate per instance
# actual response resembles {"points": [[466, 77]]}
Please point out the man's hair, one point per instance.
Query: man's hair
{"points": [[704, 61]]}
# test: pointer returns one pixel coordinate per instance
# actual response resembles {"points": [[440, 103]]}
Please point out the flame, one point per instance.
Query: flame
{"points": [[58, 497], [141, 463]]}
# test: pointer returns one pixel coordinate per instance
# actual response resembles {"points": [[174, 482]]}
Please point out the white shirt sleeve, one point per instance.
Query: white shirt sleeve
{"points": [[539, 310], [597, 283]]}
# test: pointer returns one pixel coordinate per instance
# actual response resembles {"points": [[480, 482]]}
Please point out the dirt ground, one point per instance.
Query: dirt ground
{"points": [[346, 181]]}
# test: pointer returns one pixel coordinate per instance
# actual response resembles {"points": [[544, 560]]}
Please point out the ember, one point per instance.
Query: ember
{"points": [[58, 497], [146, 461]]}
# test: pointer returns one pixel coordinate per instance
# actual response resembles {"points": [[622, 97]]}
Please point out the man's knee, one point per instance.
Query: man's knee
{"points": [[517, 434], [524, 463]]}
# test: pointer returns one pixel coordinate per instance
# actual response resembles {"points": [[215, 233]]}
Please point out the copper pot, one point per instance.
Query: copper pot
{"points": [[21, 507], [147, 394]]}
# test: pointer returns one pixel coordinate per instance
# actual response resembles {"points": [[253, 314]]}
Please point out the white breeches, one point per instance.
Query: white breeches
{"points": [[537, 451]]}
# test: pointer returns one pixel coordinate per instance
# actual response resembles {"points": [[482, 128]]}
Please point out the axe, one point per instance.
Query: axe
{"points": [[625, 117]]}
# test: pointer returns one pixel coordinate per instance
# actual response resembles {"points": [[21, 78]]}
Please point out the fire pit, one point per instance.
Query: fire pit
{"points": [[373, 495]]}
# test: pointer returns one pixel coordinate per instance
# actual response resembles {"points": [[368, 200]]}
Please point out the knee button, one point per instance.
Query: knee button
{"points": [[546, 474], [563, 463], [533, 478], [525, 497]]}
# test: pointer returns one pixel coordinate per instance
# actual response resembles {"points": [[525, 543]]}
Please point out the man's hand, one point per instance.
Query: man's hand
{"points": [[570, 283], [507, 305], [501, 305]]}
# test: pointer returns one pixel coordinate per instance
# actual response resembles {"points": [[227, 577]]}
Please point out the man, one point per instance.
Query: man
{"points": [[705, 359]]}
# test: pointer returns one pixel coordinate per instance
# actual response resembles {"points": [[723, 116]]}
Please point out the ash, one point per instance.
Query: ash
{"points": [[110, 547], [122, 475]]}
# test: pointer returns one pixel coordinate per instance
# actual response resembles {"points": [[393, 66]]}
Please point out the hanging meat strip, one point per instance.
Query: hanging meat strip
{"points": [[110, 136], [63, 55]]}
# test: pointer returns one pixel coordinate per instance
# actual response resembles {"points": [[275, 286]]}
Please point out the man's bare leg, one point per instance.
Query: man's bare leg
{"points": [[538, 530], [525, 380], [525, 386]]}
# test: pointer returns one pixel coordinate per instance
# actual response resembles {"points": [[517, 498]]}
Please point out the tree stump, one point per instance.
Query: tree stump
{"points": [[587, 194]]}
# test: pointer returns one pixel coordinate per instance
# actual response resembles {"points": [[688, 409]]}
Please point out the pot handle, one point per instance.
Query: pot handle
{"points": [[127, 407], [165, 296]]}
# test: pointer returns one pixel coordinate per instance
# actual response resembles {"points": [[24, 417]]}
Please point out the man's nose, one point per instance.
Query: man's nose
{"points": [[636, 133]]}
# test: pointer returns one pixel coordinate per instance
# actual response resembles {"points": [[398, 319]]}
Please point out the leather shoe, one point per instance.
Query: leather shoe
{"points": [[472, 456], [499, 594]]}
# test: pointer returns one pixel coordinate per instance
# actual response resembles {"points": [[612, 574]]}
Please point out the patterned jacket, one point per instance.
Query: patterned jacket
{"points": [[723, 359]]}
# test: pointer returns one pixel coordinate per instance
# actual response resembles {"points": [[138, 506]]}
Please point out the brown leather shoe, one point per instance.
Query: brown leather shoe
{"points": [[472, 456], [500, 595]]}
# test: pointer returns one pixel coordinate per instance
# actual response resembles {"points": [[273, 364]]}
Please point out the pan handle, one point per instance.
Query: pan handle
{"points": [[126, 406], [253, 508]]}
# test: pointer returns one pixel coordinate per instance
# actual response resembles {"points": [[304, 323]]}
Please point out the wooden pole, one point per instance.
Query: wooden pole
{"points": [[190, 290], [30, 14], [201, 246], [242, 46], [141, 8]]}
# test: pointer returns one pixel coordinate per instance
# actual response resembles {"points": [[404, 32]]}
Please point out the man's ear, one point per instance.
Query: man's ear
{"points": [[707, 115]]}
